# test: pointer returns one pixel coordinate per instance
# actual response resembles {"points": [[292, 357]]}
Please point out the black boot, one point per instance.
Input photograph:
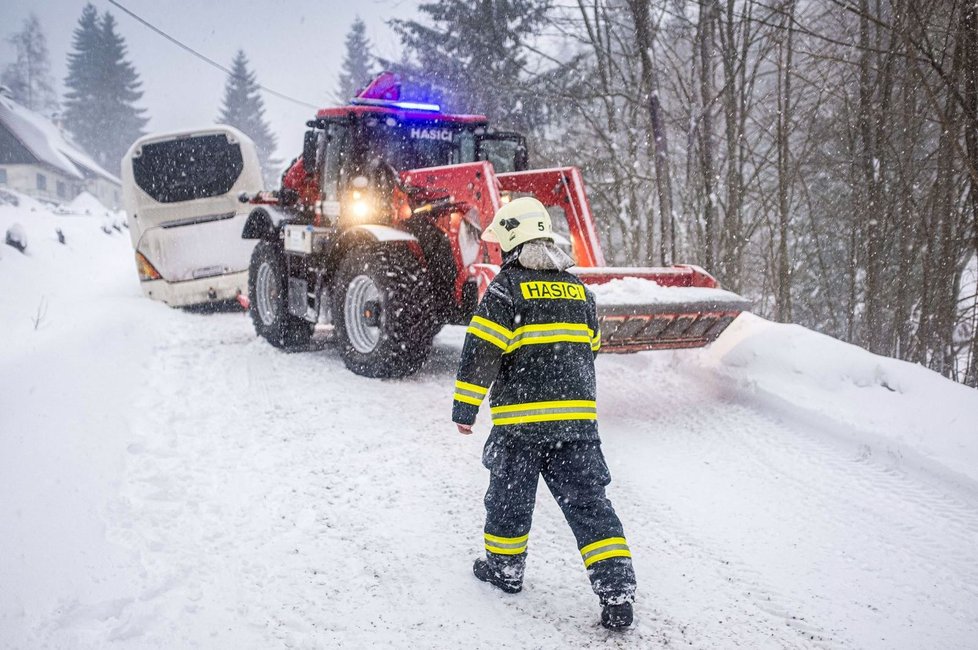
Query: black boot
{"points": [[496, 577], [617, 616]]}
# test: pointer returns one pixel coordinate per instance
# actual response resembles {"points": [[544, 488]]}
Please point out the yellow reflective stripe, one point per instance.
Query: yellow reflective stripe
{"points": [[604, 549], [506, 540], [467, 399], [543, 417], [602, 542], [506, 545], [509, 408], [559, 333], [488, 337], [475, 388], [545, 412], [485, 322], [557, 338], [596, 342], [621, 552], [505, 551], [469, 393], [543, 327]]}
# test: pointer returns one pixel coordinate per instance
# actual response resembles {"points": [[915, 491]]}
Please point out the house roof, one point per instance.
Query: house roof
{"points": [[45, 141]]}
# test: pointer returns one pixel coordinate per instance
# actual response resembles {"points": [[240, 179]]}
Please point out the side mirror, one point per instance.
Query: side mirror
{"points": [[521, 159], [309, 145]]}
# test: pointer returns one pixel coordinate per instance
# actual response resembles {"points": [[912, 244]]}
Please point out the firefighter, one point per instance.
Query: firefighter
{"points": [[530, 348]]}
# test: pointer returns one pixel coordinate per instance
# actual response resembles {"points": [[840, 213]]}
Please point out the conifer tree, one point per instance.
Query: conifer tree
{"points": [[120, 93], [29, 77], [472, 54], [102, 89], [355, 73], [81, 97], [243, 109]]}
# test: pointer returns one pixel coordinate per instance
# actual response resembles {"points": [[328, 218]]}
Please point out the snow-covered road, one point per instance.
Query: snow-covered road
{"points": [[193, 487]]}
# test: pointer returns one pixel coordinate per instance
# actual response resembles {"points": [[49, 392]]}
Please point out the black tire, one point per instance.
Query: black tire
{"points": [[380, 310], [268, 297]]}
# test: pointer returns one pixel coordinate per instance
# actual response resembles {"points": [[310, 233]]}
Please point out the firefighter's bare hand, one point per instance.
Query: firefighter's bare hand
{"points": [[464, 429]]}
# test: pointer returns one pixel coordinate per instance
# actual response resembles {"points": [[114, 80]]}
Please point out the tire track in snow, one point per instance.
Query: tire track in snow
{"points": [[319, 508], [743, 588], [873, 517], [345, 563], [920, 524]]}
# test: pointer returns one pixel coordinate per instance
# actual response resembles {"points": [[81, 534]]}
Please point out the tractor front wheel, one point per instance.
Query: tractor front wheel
{"points": [[380, 309], [268, 294]]}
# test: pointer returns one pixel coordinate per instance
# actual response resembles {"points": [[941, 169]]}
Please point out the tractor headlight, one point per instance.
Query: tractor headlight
{"points": [[360, 206]]}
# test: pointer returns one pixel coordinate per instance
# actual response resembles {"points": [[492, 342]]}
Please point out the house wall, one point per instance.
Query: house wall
{"points": [[108, 193], [59, 187]]}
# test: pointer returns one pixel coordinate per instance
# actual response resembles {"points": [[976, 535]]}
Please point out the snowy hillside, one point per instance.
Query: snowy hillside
{"points": [[168, 480]]}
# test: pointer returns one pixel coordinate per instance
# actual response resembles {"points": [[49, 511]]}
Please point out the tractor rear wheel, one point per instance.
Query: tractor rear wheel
{"points": [[381, 312], [268, 295]]}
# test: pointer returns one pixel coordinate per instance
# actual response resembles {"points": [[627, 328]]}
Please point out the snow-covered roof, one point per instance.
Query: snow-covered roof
{"points": [[47, 143]]}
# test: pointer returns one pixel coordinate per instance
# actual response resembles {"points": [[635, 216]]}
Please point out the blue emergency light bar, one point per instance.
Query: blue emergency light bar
{"points": [[407, 106]]}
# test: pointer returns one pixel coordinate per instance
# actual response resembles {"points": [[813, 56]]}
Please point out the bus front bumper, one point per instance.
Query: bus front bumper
{"points": [[218, 288]]}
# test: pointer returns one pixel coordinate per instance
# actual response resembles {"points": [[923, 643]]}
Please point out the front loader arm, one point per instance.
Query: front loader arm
{"points": [[472, 193], [562, 187]]}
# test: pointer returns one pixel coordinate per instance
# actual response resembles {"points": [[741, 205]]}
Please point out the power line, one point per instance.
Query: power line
{"points": [[207, 59]]}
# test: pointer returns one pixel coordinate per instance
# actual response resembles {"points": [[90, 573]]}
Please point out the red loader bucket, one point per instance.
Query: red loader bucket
{"points": [[659, 308]]}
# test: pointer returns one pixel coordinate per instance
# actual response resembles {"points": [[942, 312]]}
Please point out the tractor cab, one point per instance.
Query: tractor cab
{"points": [[362, 150], [414, 139]]}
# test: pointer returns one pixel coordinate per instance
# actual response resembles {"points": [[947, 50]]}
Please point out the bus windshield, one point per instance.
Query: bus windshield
{"points": [[190, 168]]}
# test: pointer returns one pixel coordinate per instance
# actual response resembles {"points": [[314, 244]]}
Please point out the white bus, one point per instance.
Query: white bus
{"points": [[180, 192]]}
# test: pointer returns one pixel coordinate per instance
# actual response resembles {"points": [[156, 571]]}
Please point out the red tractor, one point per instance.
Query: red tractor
{"points": [[375, 232]]}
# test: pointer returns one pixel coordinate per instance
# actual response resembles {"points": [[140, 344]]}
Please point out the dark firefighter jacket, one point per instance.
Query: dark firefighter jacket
{"points": [[532, 340]]}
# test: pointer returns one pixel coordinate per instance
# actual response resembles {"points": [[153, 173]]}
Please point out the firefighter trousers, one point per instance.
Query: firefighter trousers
{"points": [[576, 474]]}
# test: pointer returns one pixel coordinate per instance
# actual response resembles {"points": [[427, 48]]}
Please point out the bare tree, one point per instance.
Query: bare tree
{"points": [[827, 162], [657, 135], [29, 76]]}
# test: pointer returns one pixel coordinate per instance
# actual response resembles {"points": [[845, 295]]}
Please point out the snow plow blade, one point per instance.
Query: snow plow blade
{"points": [[659, 308]]}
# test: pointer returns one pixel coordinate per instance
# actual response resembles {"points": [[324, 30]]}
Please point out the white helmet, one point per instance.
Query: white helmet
{"points": [[519, 221]]}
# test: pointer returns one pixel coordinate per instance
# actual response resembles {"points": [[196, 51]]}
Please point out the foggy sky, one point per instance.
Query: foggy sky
{"points": [[295, 47]]}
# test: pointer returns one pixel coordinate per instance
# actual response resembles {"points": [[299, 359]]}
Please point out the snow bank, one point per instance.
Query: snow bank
{"points": [[21, 201], [75, 334], [41, 286], [903, 409], [85, 203], [16, 238]]}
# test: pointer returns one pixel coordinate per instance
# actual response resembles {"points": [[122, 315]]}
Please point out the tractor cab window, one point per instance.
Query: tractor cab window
{"points": [[331, 157], [506, 151], [413, 145]]}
